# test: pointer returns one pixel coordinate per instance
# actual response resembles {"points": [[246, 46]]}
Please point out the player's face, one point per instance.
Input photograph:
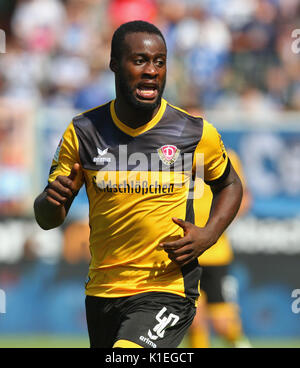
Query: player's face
{"points": [[142, 75]]}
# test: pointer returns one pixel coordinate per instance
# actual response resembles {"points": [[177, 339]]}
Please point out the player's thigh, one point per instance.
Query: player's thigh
{"points": [[102, 321], [155, 320]]}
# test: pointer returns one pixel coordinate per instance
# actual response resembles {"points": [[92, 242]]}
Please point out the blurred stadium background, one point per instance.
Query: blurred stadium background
{"points": [[236, 61]]}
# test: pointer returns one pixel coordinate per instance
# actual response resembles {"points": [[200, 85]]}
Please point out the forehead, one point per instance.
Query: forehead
{"points": [[142, 42]]}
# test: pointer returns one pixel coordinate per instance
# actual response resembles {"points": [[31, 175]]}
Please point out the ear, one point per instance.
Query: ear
{"points": [[114, 65]]}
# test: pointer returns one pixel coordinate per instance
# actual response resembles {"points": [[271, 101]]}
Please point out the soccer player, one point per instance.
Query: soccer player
{"points": [[137, 156], [217, 306]]}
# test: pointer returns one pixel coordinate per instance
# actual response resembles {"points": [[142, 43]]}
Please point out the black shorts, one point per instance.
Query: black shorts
{"points": [[149, 320], [213, 283]]}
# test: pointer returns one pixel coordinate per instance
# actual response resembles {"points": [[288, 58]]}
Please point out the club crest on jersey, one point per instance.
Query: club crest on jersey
{"points": [[168, 154]]}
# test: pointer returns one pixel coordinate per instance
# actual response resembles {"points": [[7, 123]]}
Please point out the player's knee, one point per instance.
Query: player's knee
{"points": [[126, 344]]}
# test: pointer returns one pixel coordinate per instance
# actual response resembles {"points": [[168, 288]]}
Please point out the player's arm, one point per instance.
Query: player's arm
{"points": [[227, 197], [52, 205], [227, 194], [65, 179], [247, 197]]}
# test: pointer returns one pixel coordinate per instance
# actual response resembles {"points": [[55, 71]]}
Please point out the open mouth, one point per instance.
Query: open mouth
{"points": [[147, 91]]}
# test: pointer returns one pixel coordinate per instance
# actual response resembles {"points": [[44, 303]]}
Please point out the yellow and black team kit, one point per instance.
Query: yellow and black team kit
{"points": [[137, 180]]}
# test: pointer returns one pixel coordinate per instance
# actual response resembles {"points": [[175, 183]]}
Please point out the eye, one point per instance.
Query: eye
{"points": [[138, 61], [160, 62]]}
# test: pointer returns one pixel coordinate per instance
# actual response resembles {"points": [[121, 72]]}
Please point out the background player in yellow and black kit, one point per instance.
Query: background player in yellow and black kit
{"points": [[217, 308], [137, 156]]}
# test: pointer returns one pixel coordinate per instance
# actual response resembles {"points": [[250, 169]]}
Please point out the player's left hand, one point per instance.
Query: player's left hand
{"points": [[195, 241]]}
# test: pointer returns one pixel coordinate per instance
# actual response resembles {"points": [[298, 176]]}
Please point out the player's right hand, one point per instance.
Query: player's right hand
{"points": [[196, 240], [63, 188]]}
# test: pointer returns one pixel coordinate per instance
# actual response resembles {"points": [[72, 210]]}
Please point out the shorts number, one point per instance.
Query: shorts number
{"points": [[163, 323]]}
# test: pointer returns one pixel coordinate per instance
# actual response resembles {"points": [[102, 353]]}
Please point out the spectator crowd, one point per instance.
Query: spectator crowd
{"points": [[223, 55]]}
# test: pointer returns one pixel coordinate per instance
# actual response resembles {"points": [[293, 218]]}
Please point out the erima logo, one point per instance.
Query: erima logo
{"points": [[100, 159], [102, 153], [148, 341]]}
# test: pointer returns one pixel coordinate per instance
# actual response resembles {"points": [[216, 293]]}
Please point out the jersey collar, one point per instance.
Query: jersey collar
{"points": [[142, 129]]}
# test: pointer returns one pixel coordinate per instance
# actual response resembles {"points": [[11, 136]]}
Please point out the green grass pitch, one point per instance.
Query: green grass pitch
{"points": [[82, 342]]}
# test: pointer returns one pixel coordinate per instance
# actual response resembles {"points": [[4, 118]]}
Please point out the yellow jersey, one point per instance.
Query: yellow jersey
{"points": [[137, 180]]}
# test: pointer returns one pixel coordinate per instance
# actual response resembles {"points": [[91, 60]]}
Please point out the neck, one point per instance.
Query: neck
{"points": [[131, 116]]}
